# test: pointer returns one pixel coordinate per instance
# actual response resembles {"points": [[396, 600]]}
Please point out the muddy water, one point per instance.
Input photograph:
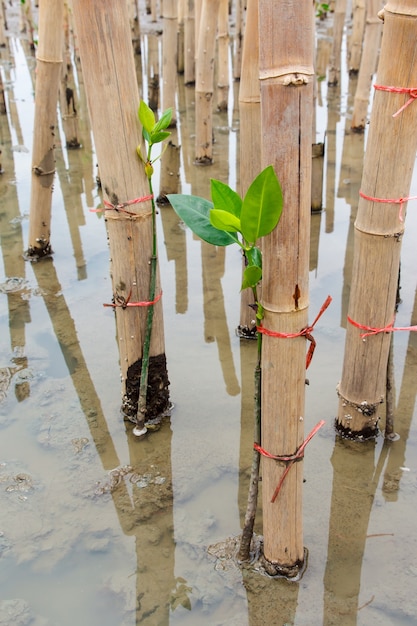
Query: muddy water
{"points": [[98, 528]]}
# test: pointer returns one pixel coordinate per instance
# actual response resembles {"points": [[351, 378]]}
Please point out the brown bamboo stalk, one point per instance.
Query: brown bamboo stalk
{"points": [[250, 139], [238, 40], [48, 65], [169, 57], [2, 27], [356, 38], [107, 59], [189, 43], [368, 64], [338, 24], [68, 92], [181, 37], [223, 56], [204, 82], [287, 76], [388, 167]]}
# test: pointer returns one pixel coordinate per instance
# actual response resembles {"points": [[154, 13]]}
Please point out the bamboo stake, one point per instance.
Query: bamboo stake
{"points": [[287, 76], [170, 55], [108, 68], [189, 43], [204, 82], [338, 24], [223, 56], [388, 167], [371, 41], [48, 68], [250, 140], [67, 92], [356, 38]]}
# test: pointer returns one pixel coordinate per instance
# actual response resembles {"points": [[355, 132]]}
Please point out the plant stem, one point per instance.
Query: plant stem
{"points": [[247, 532], [142, 401]]}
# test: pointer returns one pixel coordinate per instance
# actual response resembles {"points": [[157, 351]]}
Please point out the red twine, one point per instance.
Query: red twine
{"points": [[411, 91], [390, 328], [124, 302], [304, 332], [399, 201], [121, 207], [290, 460]]}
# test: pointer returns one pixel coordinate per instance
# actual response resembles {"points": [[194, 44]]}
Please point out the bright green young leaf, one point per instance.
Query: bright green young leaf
{"points": [[164, 121], [224, 221], [262, 206], [195, 213], [146, 117], [251, 276], [254, 256], [159, 136], [225, 198]]}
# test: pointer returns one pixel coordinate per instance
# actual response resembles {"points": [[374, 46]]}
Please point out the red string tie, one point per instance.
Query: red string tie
{"points": [[124, 302], [399, 201], [390, 328], [411, 91], [289, 460], [304, 332], [121, 207]]}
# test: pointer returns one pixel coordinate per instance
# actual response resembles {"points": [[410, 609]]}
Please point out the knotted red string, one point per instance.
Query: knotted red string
{"points": [[291, 459], [411, 91], [124, 302], [390, 328], [121, 207], [399, 201], [304, 332]]}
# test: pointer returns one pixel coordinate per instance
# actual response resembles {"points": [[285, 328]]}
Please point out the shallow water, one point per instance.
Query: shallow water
{"points": [[82, 544]]}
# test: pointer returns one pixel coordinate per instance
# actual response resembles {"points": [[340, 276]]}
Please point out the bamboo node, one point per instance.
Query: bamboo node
{"points": [[40, 172], [290, 459], [304, 332], [288, 75], [411, 91], [48, 60], [400, 201]]}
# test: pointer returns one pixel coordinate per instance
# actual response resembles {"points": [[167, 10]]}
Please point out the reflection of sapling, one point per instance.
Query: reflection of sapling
{"points": [[231, 219]]}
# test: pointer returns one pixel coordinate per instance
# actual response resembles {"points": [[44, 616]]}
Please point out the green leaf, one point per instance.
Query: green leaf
{"points": [[195, 213], [159, 136], [224, 221], [146, 118], [164, 121], [225, 198], [262, 206], [251, 276], [254, 256]]}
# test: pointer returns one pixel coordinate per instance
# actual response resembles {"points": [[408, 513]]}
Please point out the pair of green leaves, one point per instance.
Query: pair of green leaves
{"points": [[221, 221]]}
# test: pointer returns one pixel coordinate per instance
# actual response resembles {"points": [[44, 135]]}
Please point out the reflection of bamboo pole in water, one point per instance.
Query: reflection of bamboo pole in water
{"points": [[403, 416], [333, 117], [147, 514], [269, 596], [176, 247], [354, 484], [215, 322], [70, 183], [66, 335]]}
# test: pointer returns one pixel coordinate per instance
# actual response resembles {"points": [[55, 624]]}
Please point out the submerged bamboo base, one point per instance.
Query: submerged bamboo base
{"points": [[158, 404]]}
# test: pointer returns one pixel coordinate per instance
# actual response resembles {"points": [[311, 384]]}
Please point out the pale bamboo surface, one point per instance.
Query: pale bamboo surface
{"points": [[205, 82], [113, 99], [189, 43], [356, 38], [170, 57], [48, 67], [250, 131], [287, 75], [223, 56], [371, 42], [388, 166], [335, 58]]}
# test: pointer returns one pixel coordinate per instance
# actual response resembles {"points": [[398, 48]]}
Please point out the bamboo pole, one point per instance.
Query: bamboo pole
{"points": [[110, 81], [356, 38], [338, 24], [48, 72], [388, 167], [169, 57], [287, 77], [189, 43], [250, 139], [368, 65], [223, 56], [204, 82], [68, 92]]}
